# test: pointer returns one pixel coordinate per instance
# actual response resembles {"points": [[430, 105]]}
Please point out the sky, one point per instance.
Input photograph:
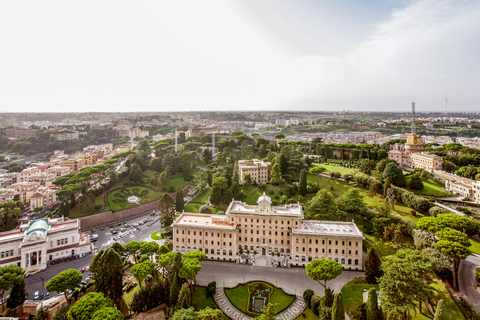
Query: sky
{"points": [[239, 55]]}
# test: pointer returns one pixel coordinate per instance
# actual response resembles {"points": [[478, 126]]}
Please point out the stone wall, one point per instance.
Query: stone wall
{"points": [[102, 219]]}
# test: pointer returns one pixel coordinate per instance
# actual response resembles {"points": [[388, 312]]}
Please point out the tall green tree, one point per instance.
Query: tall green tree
{"points": [[338, 311], [17, 295], [174, 290], [142, 270], [352, 201], [456, 252], [166, 207], [373, 266], [184, 297], [407, 278], [133, 247], [220, 183], [9, 276], [276, 175], [323, 270], [65, 280], [107, 271], [88, 305], [373, 313], [302, 183], [416, 182], [322, 206], [179, 203]]}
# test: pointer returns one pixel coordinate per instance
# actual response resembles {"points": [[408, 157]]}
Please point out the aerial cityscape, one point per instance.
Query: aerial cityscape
{"points": [[220, 159]]}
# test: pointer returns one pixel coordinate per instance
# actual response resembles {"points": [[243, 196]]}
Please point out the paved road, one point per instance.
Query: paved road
{"points": [[449, 209], [105, 240], [467, 283], [291, 280]]}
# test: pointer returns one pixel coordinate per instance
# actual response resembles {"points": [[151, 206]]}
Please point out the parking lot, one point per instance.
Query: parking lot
{"points": [[106, 237]]}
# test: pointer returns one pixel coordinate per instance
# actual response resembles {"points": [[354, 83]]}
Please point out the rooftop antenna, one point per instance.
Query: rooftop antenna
{"points": [[414, 127], [446, 104], [176, 145]]}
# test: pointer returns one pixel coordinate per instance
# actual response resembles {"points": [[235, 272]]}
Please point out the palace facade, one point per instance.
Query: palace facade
{"points": [[266, 229], [42, 240]]}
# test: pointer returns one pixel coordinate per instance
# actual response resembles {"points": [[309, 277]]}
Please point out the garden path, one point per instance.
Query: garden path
{"points": [[292, 312]]}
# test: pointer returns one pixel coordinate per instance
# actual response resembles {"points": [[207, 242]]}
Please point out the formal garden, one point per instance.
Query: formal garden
{"points": [[252, 297]]}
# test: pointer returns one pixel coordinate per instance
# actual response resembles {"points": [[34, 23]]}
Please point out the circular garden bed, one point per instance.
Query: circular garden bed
{"points": [[117, 198], [252, 297]]}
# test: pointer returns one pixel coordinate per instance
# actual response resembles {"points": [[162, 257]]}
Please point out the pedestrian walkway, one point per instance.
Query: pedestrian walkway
{"points": [[292, 312]]}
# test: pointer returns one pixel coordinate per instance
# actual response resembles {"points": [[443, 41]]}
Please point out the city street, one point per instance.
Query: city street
{"points": [[105, 240]]}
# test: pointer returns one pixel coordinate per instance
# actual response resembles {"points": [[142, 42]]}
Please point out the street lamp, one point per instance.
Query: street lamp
{"points": [[42, 289]]}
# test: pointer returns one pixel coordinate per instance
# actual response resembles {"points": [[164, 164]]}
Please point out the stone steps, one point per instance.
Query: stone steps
{"points": [[292, 312]]}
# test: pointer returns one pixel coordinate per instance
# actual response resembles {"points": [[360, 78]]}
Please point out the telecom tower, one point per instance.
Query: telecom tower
{"points": [[176, 146], [414, 127], [213, 145]]}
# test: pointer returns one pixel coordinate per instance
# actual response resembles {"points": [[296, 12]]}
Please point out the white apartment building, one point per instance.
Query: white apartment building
{"points": [[34, 244]]}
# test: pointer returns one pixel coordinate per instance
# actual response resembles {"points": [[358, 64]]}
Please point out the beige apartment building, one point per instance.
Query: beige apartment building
{"points": [[266, 229], [476, 191], [427, 161], [259, 170], [464, 189]]}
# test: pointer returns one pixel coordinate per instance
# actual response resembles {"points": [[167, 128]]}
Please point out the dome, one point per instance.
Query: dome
{"points": [[39, 226], [264, 197]]}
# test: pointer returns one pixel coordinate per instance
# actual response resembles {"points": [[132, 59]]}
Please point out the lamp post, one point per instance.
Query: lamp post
{"points": [[42, 289]]}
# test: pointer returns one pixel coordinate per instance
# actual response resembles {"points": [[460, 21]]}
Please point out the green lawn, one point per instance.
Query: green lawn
{"points": [[475, 247], [238, 296], [117, 198], [200, 300], [150, 173], [352, 294], [177, 180], [307, 315], [430, 188], [203, 197], [156, 236], [192, 207], [330, 168]]}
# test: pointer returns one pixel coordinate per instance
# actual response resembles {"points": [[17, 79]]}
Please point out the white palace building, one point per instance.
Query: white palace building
{"points": [[42, 240], [266, 230]]}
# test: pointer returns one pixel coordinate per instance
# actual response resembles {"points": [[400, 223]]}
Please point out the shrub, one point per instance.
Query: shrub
{"points": [[307, 296], [414, 213], [205, 209], [187, 178], [270, 192], [98, 207], [211, 288]]}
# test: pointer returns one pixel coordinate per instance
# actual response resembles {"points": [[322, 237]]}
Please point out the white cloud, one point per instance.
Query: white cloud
{"points": [[197, 55]]}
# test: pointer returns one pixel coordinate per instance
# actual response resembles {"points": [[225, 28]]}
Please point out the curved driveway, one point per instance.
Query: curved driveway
{"points": [[467, 283], [291, 280]]}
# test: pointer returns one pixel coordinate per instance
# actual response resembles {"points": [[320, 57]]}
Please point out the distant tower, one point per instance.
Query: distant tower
{"points": [[446, 104], [414, 127], [176, 145], [414, 143], [213, 145]]}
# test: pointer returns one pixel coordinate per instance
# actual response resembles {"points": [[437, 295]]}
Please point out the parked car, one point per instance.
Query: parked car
{"points": [[36, 295], [47, 295], [83, 270]]}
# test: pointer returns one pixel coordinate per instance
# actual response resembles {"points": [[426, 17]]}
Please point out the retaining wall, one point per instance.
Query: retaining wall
{"points": [[107, 217]]}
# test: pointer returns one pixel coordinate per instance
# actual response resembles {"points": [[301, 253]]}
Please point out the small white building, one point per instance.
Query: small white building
{"points": [[42, 240]]}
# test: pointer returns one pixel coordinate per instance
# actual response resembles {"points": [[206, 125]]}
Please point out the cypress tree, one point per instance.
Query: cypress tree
{"points": [[338, 312], [439, 310], [373, 313], [416, 182], [17, 295], [184, 297], [302, 183], [372, 267], [174, 289], [386, 186], [179, 204]]}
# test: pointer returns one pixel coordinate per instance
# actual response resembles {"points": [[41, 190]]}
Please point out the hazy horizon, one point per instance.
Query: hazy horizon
{"points": [[236, 55]]}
